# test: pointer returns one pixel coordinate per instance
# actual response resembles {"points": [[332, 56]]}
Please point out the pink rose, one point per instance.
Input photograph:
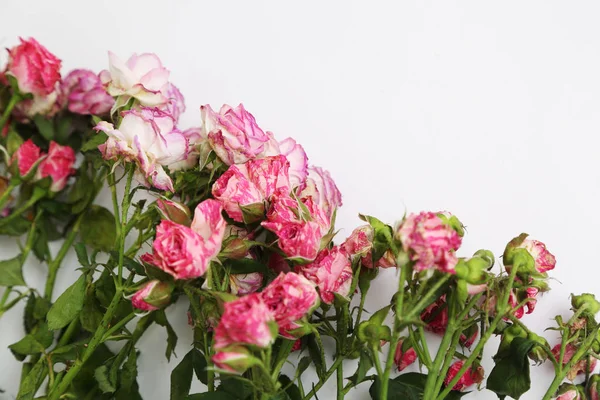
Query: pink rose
{"points": [[175, 101], [567, 391], [58, 165], [593, 387], [290, 297], [580, 367], [251, 183], [294, 153], [36, 69], [234, 361], [82, 92], [404, 358], [360, 241], [27, 155], [147, 136], [245, 321], [430, 241], [320, 186], [233, 133], [470, 377], [436, 316], [184, 252], [142, 77], [331, 271], [544, 260], [243, 284], [153, 296]]}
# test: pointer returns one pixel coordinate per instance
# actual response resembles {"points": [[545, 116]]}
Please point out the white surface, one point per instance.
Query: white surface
{"points": [[487, 109]]}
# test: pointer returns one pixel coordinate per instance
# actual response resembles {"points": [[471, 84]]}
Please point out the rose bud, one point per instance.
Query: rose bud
{"points": [[174, 211], [235, 360], [580, 367], [36, 69], [593, 387], [587, 301], [360, 241], [468, 336], [242, 284], [430, 242], [537, 353], [405, 354], [58, 165], [153, 296], [509, 334], [234, 247], [469, 378], [24, 161], [530, 255], [566, 391], [436, 316]]}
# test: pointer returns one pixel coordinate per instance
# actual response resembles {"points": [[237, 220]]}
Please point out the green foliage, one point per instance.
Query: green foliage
{"points": [[68, 305], [11, 272], [409, 386], [181, 377], [98, 228], [510, 376]]}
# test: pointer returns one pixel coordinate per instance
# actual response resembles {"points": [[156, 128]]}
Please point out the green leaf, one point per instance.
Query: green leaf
{"points": [[303, 365], [98, 228], [235, 388], [291, 390], [68, 352], [199, 363], [11, 272], [510, 376], [181, 377], [382, 237], [68, 305], [244, 266], [17, 227], [29, 385], [161, 319], [91, 313], [365, 363], [316, 354], [82, 254], [95, 141], [44, 126], [409, 386], [34, 343], [104, 380]]}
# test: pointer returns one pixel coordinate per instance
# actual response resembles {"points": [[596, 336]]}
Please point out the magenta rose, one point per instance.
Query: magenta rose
{"points": [[58, 165], [26, 157], [233, 133], [251, 184], [320, 186], [245, 321], [430, 242], [142, 77], [331, 271], [36, 69], [152, 296], [149, 137], [184, 252], [82, 92], [290, 297]]}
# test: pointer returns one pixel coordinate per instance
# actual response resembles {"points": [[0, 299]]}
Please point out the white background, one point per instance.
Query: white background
{"points": [[490, 110]]}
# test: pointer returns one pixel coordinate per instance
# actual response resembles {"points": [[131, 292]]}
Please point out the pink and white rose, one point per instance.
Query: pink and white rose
{"points": [[142, 77], [36, 69], [175, 101], [147, 136], [251, 183], [245, 321], [567, 391], [82, 93], [290, 297], [331, 271], [234, 361], [209, 223], [294, 153], [58, 165], [430, 242], [233, 133], [321, 187], [243, 284], [544, 260]]}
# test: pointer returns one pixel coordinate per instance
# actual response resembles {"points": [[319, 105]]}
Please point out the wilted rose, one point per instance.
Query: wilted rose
{"points": [[469, 378]]}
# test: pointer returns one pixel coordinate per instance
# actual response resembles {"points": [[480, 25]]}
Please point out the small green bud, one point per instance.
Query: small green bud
{"points": [[587, 300]]}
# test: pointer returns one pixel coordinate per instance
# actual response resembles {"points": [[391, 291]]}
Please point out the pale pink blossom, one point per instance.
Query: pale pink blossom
{"points": [[290, 297], [148, 137], [142, 77], [430, 242], [321, 187], [195, 142], [233, 133], [243, 284], [58, 165], [331, 271], [82, 92], [245, 321], [175, 101]]}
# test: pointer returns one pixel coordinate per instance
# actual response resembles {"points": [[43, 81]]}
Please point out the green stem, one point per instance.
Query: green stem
{"points": [[321, 382], [118, 326], [500, 313], [6, 195], [54, 265], [282, 355], [37, 194], [340, 381], [398, 322], [9, 107], [124, 210], [426, 300], [91, 347]]}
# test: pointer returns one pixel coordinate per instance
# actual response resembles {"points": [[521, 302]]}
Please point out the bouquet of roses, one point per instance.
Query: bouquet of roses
{"points": [[237, 223]]}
